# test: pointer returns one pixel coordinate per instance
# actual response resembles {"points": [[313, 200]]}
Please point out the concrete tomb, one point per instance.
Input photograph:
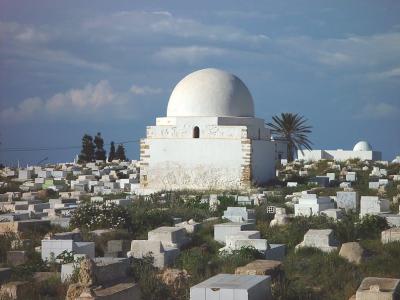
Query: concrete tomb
{"points": [[321, 239], [347, 200], [233, 287], [310, 204], [261, 267], [239, 214], [53, 248], [353, 252], [374, 288], [221, 231], [372, 205], [390, 235]]}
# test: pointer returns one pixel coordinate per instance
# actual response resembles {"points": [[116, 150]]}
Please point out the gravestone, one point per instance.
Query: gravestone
{"points": [[319, 238], [347, 200]]}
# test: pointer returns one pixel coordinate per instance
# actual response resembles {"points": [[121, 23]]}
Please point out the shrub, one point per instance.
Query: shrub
{"points": [[312, 274], [371, 226], [152, 288], [104, 215]]}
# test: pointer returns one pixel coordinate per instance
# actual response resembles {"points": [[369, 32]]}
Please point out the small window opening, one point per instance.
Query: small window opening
{"points": [[196, 132]]}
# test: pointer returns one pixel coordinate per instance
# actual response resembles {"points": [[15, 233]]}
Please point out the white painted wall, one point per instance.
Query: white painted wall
{"points": [[339, 155], [194, 163], [263, 161]]}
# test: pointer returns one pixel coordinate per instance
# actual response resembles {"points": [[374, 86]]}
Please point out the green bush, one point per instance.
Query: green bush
{"points": [[312, 274], [152, 288], [93, 215]]}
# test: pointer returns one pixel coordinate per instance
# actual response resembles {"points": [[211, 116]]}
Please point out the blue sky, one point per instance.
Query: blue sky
{"points": [[74, 67]]}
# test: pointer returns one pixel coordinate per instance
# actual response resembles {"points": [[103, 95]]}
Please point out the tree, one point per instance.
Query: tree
{"points": [[120, 153], [111, 154], [100, 153], [294, 129], [87, 152]]}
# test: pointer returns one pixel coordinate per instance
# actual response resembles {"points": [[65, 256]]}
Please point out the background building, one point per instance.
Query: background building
{"points": [[362, 150], [210, 138]]}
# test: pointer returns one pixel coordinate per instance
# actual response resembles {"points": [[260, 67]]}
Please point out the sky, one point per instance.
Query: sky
{"points": [[70, 67]]}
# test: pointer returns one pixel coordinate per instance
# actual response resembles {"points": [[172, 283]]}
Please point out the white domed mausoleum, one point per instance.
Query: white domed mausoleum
{"points": [[362, 150], [210, 138]]}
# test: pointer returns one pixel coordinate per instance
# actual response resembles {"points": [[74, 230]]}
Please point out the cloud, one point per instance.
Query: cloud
{"points": [[144, 23], [97, 100], [379, 111], [145, 90], [32, 44], [389, 74], [356, 51], [22, 33], [191, 54], [23, 111]]}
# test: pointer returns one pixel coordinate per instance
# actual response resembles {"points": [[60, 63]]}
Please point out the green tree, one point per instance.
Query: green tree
{"points": [[294, 129], [100, 153], [111, 154], [120, 153], [87, 152]]}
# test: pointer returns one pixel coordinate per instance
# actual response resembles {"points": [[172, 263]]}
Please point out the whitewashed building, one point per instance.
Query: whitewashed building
{"points": [[362, 150], [210, 138]]}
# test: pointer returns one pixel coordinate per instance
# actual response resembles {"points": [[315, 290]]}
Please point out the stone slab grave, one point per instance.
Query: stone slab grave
{"points": [[390, 235], [233, 287], [74, 235], [54, 248], [261, 267], [351, 176], [163, 256], [373, 185], [120, 291], [392, 219], [321, 181], [236, 242], [321, 239], [240, 240], [5, 275], [16, 290], [347, 200], [107, 269], [372, 205], [213, 202], [25, 226], [245, 200], [353, 252], [345, 185], [221, 231], [334, 213], [375, 288], [190, 226], [117, 248], [169, 236], [331, 176], [104, 278], [310, 204], [239, 214], [16, 257]]}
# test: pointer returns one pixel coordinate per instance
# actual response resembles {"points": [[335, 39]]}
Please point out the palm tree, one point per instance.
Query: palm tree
{"points": [[292, 128]]}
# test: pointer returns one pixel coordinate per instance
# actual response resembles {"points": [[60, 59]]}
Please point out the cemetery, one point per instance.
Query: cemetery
{"points": [[192, 221], [197, 245]]}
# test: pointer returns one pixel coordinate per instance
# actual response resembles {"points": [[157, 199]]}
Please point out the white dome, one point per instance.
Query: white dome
{"points": [[210, 93], [362, 146]]}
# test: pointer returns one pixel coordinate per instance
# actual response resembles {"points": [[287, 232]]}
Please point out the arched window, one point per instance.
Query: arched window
{"points": [[196, 132]]}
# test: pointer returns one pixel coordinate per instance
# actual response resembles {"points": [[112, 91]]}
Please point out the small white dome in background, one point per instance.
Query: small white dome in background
{"points": [[362, 146], [210, 93]]}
